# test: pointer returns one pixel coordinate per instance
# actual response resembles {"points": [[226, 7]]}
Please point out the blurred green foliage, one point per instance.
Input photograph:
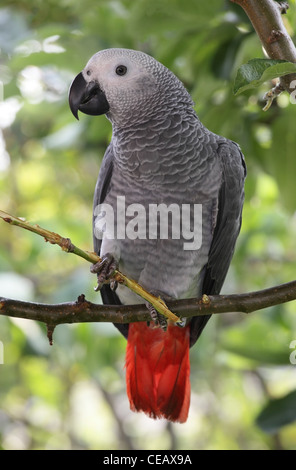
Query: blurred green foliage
{"points": [[72, 395]]}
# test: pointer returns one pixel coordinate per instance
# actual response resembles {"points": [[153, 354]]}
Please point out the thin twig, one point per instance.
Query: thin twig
{"points": [[69, 247]]}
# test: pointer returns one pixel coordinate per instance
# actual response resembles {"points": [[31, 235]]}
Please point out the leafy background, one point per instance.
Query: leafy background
{"points": [[72, 395]]}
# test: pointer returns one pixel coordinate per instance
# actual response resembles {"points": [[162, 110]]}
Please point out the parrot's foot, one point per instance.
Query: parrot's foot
{"points": [[158, 319], [181, 323], [104, 270]]}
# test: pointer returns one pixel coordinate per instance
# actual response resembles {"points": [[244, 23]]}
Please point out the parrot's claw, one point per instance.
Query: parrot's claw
{"points": [[104, 270], [113, 285], [157, 318], [181, 323]]}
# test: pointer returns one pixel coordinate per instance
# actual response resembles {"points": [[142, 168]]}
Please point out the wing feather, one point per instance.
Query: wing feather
{"points": [[109, 297], [228, 224]]}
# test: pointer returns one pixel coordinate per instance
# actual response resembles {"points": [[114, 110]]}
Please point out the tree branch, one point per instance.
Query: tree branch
{"points": [[83, 311], [266, 18]]}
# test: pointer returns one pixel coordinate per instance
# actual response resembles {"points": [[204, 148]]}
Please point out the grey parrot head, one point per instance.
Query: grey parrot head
{"points": [[127, 86]]}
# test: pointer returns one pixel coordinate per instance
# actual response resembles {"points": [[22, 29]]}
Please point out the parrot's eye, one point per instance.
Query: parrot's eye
{"points": [[121, 70]]}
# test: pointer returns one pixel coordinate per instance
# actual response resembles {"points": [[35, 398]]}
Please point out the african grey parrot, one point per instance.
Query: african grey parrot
{"points": [[159, 154]]}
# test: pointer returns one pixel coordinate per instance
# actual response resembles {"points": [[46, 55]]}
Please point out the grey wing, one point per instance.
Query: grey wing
{"points": [[109, 297], [102, 188], [230, 205]]}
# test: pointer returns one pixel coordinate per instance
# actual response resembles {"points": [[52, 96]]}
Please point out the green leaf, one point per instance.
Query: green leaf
{"points": [[278, 413], [257, 71]]}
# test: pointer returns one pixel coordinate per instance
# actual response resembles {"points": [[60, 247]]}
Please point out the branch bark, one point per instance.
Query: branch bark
{"points": [[83, 311], [266, 18]]}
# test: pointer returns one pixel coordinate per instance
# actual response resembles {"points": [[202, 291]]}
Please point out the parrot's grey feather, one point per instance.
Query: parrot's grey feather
{"points": [[230, 205], [109, 297], [227, 226], [102, 188], [231, 198]]}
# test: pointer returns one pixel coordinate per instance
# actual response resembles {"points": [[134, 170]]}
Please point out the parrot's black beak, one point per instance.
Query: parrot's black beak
{"points": [[87, 97]]}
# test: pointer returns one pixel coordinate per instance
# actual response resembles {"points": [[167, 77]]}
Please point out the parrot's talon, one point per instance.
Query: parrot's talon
{"points": [[158, 319], [98, 287], [113, 285], [181, 323], [104, 270]]}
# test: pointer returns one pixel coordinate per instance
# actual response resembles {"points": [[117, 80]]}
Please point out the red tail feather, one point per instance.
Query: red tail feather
{"points": [[157, 371]]}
